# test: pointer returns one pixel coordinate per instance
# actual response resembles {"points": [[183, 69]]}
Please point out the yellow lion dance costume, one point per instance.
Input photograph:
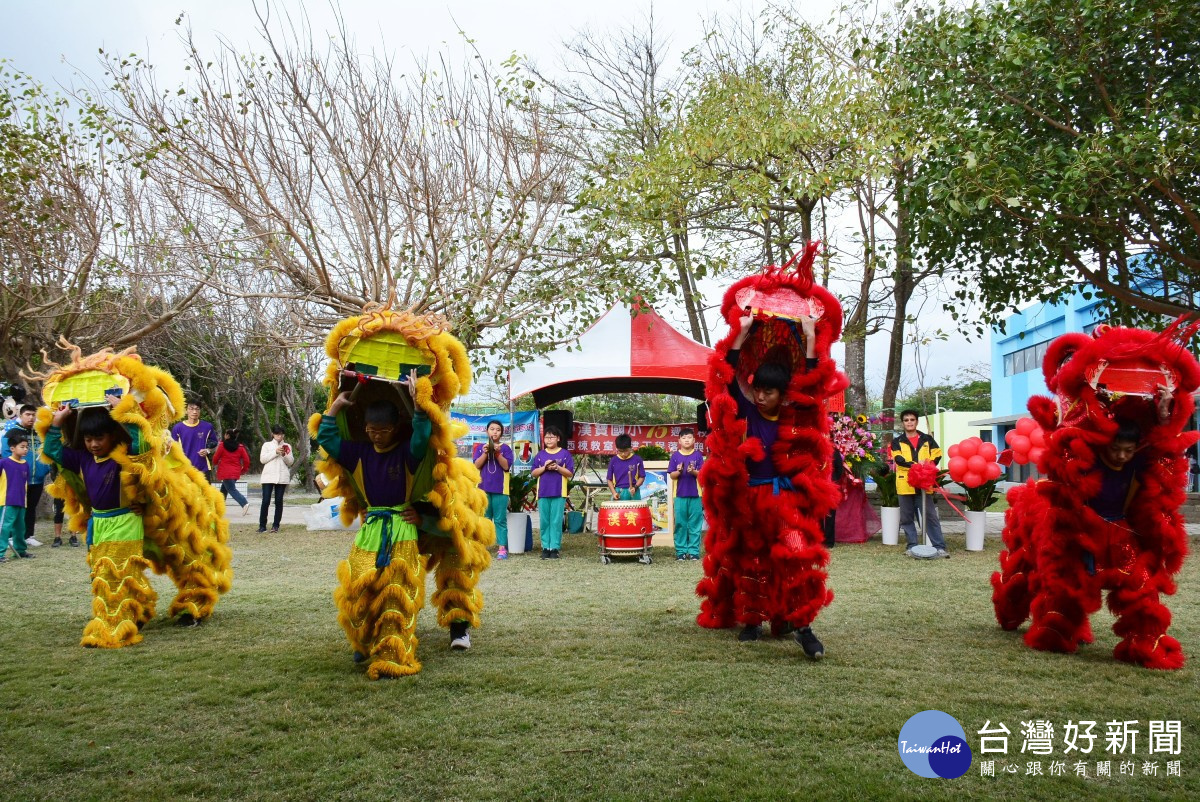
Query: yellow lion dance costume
{"points": [[378, 606], [182, 515]]}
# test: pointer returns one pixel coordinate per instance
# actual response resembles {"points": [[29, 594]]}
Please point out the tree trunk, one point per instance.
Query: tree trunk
{"points": [[856, 369], [902, 292]]}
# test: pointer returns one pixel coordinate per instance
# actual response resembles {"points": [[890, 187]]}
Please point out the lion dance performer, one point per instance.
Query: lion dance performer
{"points": [[389, 451], [1106, 517], [767, 485], [106, 423]]}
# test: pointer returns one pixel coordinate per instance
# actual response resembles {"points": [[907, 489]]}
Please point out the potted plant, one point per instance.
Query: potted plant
{"points": [[889, 505], [522, 488], [973, 465]]}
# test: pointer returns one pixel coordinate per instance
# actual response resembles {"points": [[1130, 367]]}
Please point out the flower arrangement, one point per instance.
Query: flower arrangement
{"points": [[852, 437]]}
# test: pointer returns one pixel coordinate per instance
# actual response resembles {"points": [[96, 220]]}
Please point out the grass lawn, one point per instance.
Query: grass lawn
{"points": [[585, 682]]}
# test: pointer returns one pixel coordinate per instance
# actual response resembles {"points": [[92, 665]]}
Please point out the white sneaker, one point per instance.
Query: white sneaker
{"points": [[32, 541], [463, 641], [943, 553]]}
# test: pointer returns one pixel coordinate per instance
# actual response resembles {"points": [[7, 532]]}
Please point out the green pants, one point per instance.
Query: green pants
{"points": [[625, 494], [689, 521], [12, 529], [550, 521], [497, 513]]}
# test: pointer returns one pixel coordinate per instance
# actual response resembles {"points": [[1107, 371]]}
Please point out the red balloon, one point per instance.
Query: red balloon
{"points": [[977, 464], [1038, 438], [1035, 454], [957, 466], [953, 451], [988, 451], [968, 449], [972, 479], [1009, 435], [994, 470], [1020, 445], [1026, 425]]}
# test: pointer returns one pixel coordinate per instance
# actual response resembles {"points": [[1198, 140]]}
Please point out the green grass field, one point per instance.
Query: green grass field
{"points": [[585, 682]]}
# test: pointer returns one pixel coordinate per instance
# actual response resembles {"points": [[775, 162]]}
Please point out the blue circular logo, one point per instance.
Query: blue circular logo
{"points": [[934, 744]]}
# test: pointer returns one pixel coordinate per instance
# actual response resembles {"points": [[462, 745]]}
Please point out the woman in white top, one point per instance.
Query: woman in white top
{"points": [[276, 458]]}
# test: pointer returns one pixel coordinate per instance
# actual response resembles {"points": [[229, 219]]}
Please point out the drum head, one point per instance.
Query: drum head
{"points": [[923, 552]]}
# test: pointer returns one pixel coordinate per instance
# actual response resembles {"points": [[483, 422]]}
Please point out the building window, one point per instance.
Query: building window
{"points": [[1029, 358]]}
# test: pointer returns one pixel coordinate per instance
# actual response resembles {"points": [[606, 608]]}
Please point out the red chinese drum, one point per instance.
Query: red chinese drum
{"points": [[624, 525]]}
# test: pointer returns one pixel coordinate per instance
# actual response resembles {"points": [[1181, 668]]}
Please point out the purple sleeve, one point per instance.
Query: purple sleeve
{"points": [[569, 464], [612, 474], [72, 459]]}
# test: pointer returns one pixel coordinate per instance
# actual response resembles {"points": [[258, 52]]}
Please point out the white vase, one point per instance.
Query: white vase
{"points": [[518, 530], [889, 519], [976, 525]]}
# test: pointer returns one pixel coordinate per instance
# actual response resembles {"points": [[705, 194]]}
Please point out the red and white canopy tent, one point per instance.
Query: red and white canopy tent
{"points": [[622, 352]]}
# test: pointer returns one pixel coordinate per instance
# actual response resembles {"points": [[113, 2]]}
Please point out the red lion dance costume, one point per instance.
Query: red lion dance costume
{"points": [[1098, 381], [765, 553]]}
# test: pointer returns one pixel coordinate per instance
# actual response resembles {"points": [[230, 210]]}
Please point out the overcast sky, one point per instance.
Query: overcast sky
{"points": [[56, 41]]}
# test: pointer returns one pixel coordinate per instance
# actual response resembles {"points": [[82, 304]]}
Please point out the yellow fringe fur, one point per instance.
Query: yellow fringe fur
{"points": [[461, 556], [183, 515]]}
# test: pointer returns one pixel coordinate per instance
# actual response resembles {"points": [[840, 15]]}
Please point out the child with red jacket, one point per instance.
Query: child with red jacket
{"points": [[231, 461]]}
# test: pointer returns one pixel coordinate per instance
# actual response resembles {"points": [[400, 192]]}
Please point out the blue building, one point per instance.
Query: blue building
{"points": [[1017, 355]]}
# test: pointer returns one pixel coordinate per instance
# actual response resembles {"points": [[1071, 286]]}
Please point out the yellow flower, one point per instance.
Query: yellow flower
{"points": [[861, 418]]}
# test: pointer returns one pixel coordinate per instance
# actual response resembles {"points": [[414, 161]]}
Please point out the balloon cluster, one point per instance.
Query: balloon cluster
{"points": [[1027, 441], [973, 462]]}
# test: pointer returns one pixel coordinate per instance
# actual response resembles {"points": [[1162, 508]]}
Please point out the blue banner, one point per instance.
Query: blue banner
{"points": [[520, 431]]}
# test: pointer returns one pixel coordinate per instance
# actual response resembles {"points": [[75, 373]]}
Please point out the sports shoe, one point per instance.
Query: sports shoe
{"points": [[554, 555], [261, 529], [57, 542], [32, 541], [943, 553], [749, 633], [502, 553], [460, 638], [274, 529], [680, 558], [358, 657], [545, 554], [809, 643], [74, 541], [187, 620], [908, 551], [3, 559], [26, 556]]}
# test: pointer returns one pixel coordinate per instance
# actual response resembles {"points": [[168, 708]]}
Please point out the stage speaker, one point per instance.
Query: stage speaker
{"points": [[702, 417], [561, 419]]}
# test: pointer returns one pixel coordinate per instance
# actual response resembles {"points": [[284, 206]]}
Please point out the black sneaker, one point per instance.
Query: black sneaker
{"points": [[358, 657], [545, 554], [749, 633], [74, 541], [26, 556], [681, 558], [459, 637], [554, 555], [262, 529], [187, 620], [57, 542], [809, 643]]}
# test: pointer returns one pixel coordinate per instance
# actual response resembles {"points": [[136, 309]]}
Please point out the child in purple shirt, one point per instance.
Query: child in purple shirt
{"points": [[626, 471], [14, 483], [197, 438], [552, 467], [122, 597], [494, 461], [684, 468]]}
